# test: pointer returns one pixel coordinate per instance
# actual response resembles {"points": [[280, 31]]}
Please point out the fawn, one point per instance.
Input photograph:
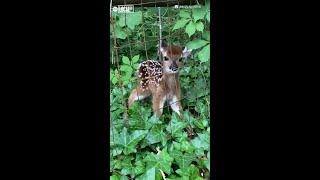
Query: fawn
{"points": [[161, 80]]}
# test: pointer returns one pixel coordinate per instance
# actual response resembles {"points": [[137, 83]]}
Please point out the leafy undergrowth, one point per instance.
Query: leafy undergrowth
{"points": [[182, 154]]}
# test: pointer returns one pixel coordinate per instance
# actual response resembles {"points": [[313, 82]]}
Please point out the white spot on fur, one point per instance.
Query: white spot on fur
{"points": [[139, 97]]}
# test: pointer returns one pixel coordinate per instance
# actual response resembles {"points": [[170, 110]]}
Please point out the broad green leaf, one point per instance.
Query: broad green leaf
{"points": [[125, 60], [198, 124], [129, 142], [196, 142], [184, 14], [205, 122], [191, 172], [175, 128], [204, 54], [207, 162], [185, 146], [180, 23], [124, 178], [176, 145], [199, 152], [125, 83], [135, 58], [114, 80], [139, 167], [132, 170], [199, 26], [134, 19], [111, 75], [122, 19], [149, 175], [115, 177], [206, 35], [201, 143], [116, 151], [190, 28], [115, 164], [204, 137], [126, 68], [163, 161], [152, 120], [155, 135], [135, 66], [195, 44], [120, 33], [208, 16], [127, 167], [183, 160], [113, 136], [198, 13]]}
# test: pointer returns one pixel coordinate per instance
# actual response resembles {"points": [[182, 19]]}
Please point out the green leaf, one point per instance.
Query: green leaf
{"points": [[176, 145], [191, 172], [190, 28], [126, 68], [121, 21], [207, 162], [135, 66], [203, 142], [185, 146], [120, 33], [155, 135], [135, 58], [206, 35], [208, 16], [139, 167], [129, 142], [152, 120], [199, 152], [127, 167], [199, 26], [115, 177], [198, 13], [175, 128], [180, 23], [114, 80], [204, 54], [183, 160], [163, 161], [150, 174], [184, 14], [195, 44], [125, 60], [134, 19]]}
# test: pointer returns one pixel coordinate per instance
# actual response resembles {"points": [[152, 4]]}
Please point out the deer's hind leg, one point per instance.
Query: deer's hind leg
{"points": [[138, 94]]}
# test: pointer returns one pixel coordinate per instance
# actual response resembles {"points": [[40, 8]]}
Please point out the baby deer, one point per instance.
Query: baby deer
{"points": [[161, 80]]}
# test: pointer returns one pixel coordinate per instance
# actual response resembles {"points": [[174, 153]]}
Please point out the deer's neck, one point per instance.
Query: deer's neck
{"points": [[172, 86]]}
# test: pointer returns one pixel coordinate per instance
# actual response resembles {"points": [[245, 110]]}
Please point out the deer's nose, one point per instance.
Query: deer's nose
{"points": [[173, 66]]}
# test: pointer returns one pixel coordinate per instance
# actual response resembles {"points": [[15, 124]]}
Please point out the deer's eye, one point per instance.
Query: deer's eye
{"points": [[166, 58], [180, 59]]}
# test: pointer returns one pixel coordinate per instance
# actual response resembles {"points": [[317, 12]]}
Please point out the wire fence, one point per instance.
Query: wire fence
{"points": [[131, 45]]}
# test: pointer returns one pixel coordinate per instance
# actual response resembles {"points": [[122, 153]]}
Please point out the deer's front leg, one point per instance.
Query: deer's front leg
{"points": [[158, 102], [137, 94], [176, 106]]}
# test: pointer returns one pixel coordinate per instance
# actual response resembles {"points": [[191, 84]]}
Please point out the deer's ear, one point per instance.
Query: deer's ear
{"points": [[186, 52], [163, 46]]}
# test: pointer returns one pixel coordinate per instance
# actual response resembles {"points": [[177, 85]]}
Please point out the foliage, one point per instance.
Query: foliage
{"points": [[152, 144]]}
